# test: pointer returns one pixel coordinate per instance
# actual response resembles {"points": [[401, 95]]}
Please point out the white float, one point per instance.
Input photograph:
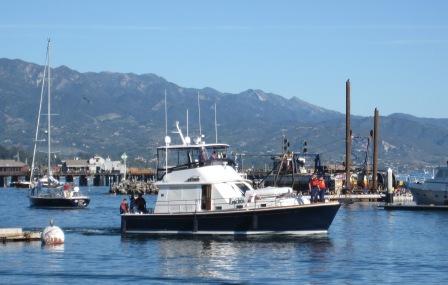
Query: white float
{"points": [[53, 235]]}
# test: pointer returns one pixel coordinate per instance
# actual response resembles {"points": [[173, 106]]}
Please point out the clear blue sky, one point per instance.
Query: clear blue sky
{"points": [[394, 52]]}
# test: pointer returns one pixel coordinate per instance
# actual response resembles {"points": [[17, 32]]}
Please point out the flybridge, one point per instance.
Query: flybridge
{"points": [[187, 155]]}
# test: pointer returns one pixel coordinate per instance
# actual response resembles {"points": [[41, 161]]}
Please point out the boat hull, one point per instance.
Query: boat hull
{"points": [[21, 185], [426, 196], [300, 219], [69, 203]]}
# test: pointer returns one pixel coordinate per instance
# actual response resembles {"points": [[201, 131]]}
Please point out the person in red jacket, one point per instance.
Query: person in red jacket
{"points": [[313, 187], [124, 206], [322, 189]]}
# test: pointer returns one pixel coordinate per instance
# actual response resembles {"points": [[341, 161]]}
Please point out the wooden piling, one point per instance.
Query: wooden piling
{"points": [[376, 135]]}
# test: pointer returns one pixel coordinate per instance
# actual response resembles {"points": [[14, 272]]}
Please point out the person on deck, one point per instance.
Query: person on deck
{"points": [[322, 189], [313, 187], [140, 203], [131, 203], [202, 156], [124, 206]]}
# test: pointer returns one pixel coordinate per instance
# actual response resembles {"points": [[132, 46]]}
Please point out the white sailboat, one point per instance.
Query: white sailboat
{"points": [[47, 191]]}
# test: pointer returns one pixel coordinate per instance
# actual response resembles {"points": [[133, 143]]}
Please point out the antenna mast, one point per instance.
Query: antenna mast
{"points": [[216, 127], [167, 141], [187, 122], [199, 111], [166, 118]]}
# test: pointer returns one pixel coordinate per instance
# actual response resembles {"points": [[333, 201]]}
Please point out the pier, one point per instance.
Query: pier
{"points": [[17, 234], [12, 171]]}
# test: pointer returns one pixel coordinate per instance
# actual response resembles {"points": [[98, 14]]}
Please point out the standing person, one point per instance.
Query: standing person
{"points": [[313, 187], [202, 156], [124, 206], [131, 203], [140, 203], [322, 189]]}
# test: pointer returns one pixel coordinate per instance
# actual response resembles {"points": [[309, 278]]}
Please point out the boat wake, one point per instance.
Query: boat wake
{"points": [[89, 231]]}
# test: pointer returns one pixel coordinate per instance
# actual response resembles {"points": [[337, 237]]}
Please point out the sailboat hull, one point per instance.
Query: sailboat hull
{"points": [[69, 203], [301, 219]]}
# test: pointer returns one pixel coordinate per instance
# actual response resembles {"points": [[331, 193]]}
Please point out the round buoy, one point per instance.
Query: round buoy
{"points": [[52, 235]]}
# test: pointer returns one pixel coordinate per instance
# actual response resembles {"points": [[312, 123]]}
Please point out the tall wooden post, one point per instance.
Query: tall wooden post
{"points": [[376, 136], [348, 136]]}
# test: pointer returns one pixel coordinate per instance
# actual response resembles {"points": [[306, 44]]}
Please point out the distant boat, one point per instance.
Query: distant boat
{"points": [[432, 191], [47, 191], [20, 184]]}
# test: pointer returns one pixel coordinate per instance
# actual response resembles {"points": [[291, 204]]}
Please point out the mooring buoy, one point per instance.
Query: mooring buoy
{"points": [[52, 235]]}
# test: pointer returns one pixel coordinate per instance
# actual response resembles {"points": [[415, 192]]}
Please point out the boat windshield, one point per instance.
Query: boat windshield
{"points": [[188, 157], [243, 187]]}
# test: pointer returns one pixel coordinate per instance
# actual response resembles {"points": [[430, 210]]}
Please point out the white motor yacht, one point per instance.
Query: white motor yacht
{"points": [[200, 192], [432, 191]]}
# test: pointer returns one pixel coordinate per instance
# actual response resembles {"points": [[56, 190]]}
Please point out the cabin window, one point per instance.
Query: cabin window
{"points": [[243, 187]]}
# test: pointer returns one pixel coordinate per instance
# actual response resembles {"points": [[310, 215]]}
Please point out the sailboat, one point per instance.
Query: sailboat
{"points": [[47, 192]]}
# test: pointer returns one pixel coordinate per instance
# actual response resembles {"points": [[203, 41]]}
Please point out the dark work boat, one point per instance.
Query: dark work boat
{"points": [[48, 192], [201, 193]]}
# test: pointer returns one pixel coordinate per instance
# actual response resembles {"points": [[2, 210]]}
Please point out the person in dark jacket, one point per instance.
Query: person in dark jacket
{"points": [[140, 203], [131, 203]]}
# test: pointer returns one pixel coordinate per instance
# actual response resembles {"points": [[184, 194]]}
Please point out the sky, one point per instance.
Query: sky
{"points": [[394, 52]]}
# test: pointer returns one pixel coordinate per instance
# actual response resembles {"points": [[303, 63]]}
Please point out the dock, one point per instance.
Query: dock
{"points": [[17, 234], [393, 207]]}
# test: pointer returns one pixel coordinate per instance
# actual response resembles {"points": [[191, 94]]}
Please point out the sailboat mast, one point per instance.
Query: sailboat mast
{"points": [[38, 117], [49, 112]]}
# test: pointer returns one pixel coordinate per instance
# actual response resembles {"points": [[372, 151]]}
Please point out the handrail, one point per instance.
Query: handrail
{"points": [[244, 202]]}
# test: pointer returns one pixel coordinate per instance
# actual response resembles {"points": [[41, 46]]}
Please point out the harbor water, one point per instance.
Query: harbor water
{"points": [[365, 245]]}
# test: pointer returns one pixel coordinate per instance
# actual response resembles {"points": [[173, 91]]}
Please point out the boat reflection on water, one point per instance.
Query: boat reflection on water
{"points": [[223, 258]]}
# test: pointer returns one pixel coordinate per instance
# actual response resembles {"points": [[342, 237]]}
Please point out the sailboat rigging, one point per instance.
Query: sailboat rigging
{"points": [[47, 191]]}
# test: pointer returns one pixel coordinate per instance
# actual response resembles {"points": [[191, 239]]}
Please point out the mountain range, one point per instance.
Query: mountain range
{"points": [[108, 113]]}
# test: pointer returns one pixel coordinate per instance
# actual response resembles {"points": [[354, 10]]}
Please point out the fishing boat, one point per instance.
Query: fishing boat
{"points": [[47, 191], [200, 192], [432, 191]]}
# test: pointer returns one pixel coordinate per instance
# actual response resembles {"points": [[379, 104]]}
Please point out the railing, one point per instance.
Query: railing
{"points": [[189, 206]]}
